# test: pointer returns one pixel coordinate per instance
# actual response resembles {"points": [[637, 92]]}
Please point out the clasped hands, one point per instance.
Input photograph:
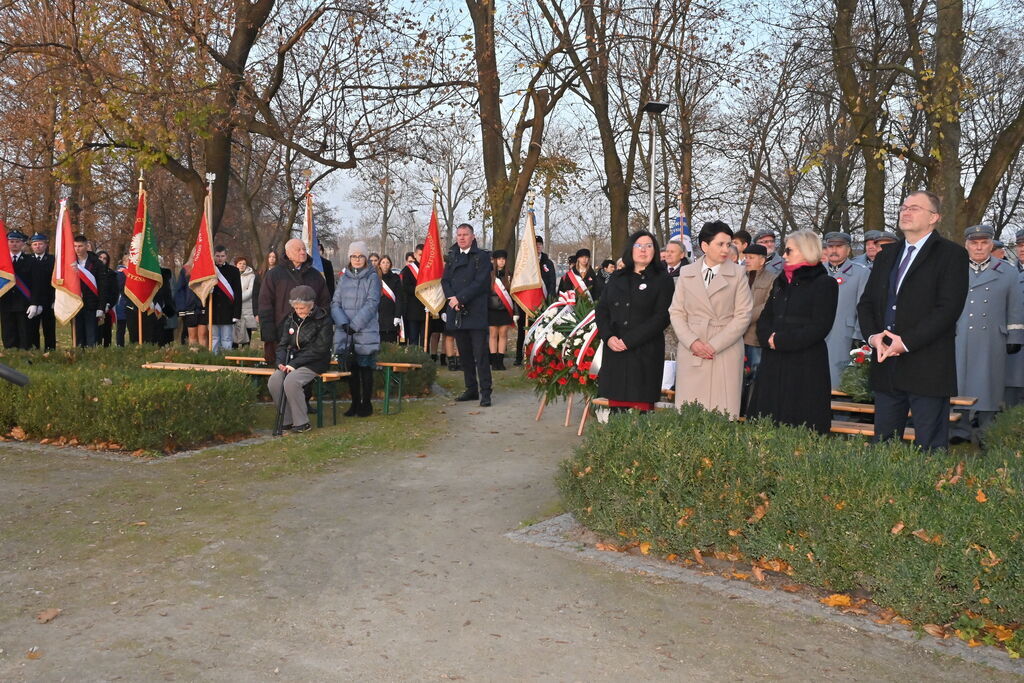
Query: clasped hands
{"points": [[702, 349], [285, 368], [894, 346]]}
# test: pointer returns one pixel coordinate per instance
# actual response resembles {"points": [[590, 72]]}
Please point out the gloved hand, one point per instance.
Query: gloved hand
{"points": [[1012, 348], [234, 320], [398, 322], [158, 308], [106, 308], [33, 311], [348, 329], [100, 315]]}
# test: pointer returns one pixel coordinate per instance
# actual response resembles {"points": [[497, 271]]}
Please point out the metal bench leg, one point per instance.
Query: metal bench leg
{"points": [[319, 402], [334, 402], [399, 382], [387, 390]]}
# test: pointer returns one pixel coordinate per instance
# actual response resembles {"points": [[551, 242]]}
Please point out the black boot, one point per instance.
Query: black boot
{"points": [[442, 360], [366, 393], [499, 361], [458, 363], [451, 363], [433, 357], [354, 389]]}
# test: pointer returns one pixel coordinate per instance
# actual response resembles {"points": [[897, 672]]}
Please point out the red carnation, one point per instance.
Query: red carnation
{"points": [[563, 381]]}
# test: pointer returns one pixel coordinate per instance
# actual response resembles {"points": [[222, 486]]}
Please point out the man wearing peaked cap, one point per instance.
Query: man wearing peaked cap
{"points": [[766, 238], [43, 293], [16, 309], [851, 278], [999, 250], [990, 328], [1015, 363], [874, 240]]}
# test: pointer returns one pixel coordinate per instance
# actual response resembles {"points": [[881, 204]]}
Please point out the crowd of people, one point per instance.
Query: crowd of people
{"points": [[939, 318], [745, 328]]}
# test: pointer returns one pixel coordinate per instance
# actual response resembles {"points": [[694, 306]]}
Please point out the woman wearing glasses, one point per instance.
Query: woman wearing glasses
{"points": [[710, 312], [632, 314], [793, 384], [356, 332]]}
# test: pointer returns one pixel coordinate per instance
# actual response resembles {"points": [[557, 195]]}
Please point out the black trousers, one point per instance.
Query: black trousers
{"points": [[476, 359], [15, 329], [414, 332], [48, 322], [931, 418]]}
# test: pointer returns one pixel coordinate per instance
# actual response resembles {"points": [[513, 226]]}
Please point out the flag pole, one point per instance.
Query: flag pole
{"points": [[138, 309], [210, 177], [531, 197]]}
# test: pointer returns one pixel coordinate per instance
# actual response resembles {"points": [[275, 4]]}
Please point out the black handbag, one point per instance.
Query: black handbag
{"points": [[346, 359]]}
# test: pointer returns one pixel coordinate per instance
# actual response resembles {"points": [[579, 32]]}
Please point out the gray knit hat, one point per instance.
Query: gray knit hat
{"points": [[303, 294]]}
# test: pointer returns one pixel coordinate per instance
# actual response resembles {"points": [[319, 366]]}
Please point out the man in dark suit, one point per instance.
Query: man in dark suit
{"points": [[16, 306], [467, 283], [908, 314], [415, 314], [43, 294]]}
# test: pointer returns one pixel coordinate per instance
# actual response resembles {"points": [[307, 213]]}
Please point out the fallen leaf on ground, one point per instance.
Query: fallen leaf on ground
{"points": [[923, 535], [855, 610], [791, 588], [898, 527], [886, 616], [18, 433], [421, 455], [758, 573], [608, 547], [697, 556], [740, 575], [34, 653], [645, 548], [48, 615], [140, 523], [837, 600], [981, 497], [935, 630]]}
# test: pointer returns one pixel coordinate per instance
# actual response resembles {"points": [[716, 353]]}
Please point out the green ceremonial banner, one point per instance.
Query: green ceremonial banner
{"points": [[142, 278]]}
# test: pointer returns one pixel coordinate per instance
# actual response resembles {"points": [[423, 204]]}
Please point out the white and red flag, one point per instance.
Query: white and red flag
{"points": [[203, 277], [428, 280], [65, 279], [527, 285]]}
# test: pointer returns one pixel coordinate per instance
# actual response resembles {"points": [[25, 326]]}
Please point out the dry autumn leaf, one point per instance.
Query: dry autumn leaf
{"points": [[990, 561], [923, 535], [837, 600], [897, 527], [34, 653], [791, 588], [1002, 633], [935, 630], [671, 557], [608, 547], [697, 556], [740, 575], [48, 615], [758, 573], [645, 548], [140, 523], [981, 497], [18, 433]]}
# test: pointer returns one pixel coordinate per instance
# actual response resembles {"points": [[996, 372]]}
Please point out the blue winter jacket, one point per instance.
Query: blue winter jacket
{"points": [[355, 303]]}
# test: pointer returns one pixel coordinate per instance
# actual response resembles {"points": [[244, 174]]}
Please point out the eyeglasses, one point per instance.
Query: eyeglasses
{"points": [[787, 251], [914, 209], [638, 245]]}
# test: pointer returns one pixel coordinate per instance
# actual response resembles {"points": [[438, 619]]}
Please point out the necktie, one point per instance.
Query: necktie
{"points": [[709, 275], [903, 266]]}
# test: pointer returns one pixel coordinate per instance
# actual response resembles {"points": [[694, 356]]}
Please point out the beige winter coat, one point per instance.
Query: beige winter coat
{"points": [[718, 315]]}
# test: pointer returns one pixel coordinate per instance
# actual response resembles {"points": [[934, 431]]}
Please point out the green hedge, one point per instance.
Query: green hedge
{"points": [[104, 396], [826, 506]]}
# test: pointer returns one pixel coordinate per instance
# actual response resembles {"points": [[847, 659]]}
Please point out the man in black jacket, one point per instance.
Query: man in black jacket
{"points": [[15, 305], [226, 301], [467, 283], [95, 279], [293, 270], [908, 313], [43, 294]]}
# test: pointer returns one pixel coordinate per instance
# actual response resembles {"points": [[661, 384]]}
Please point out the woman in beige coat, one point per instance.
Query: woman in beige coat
{"points": [[710, 312]]}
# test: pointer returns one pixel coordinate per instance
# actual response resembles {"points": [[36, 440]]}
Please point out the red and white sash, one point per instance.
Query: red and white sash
{"points": [[415, 268], [387, 291], [86, 276], [577, 282], [506, 299], [225, 286]]}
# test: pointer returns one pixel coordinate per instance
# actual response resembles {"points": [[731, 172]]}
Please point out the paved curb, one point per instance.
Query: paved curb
{"points": [[555, 533]]}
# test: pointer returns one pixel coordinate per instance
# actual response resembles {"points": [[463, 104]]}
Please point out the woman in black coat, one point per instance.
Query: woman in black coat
{"points": [[632, 315], [392, 301], [793, 385]]}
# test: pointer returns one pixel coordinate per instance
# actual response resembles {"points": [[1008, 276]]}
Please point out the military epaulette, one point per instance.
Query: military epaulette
{"points": [[999, 263]]}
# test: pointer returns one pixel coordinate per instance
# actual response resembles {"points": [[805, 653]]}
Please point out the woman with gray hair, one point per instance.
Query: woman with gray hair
{"points": [[356, 332], [793, 384], [303, 352]]}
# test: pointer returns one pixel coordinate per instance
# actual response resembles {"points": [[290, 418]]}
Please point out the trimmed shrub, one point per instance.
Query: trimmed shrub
{"points": [[104, 396], [925, 534]]}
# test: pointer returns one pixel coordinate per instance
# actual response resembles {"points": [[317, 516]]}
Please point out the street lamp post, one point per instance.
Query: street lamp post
{"points": [[652, 108]]}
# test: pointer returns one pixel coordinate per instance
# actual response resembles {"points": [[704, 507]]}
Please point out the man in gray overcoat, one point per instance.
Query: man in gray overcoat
{"points": [[1015, 363], [990, 328], [874, 240], [851, 278]]}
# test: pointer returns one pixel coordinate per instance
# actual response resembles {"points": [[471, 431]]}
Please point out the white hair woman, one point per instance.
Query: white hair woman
{"points": [[793, 384]]}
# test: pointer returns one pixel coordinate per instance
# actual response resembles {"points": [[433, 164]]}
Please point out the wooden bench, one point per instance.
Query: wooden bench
{"points": [[393, 378], [323, 378], [865, 429]]}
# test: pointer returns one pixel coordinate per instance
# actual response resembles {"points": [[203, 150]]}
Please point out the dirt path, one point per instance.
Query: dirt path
{"points": [[382, 567]]}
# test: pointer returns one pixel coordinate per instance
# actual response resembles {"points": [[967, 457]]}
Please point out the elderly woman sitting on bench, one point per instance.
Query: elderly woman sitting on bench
{"points": [[303, 352]]}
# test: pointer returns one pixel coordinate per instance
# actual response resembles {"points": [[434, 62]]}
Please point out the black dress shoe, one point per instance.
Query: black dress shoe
{"points": [[467, 395], [485, 401], [957, 440], [301, 428]]}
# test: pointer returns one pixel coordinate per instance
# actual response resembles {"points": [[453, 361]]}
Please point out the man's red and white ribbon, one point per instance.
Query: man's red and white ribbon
{"points": [[86, 276], [225, 286]]}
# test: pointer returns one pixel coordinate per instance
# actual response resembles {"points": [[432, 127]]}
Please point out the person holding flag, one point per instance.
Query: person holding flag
{"points": [[16, 309], [466, 282], [143, 278], [67, 299], [43, 294], [415, 314], [226, 300], [95, 287], [501, 309]]}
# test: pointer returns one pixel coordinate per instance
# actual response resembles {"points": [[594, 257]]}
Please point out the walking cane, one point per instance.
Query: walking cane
{"points": [[279, 424]]}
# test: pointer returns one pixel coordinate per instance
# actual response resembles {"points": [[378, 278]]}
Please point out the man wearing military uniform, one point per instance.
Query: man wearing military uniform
{"points": [[16, 309], [851, 278], [43, 294], [1015, 363], [990, 327], [998, 250], [766, 238], [874, 240]]}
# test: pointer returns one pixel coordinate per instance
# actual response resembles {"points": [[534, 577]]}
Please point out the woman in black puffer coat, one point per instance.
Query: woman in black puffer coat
{"points": [[793, 384]]}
